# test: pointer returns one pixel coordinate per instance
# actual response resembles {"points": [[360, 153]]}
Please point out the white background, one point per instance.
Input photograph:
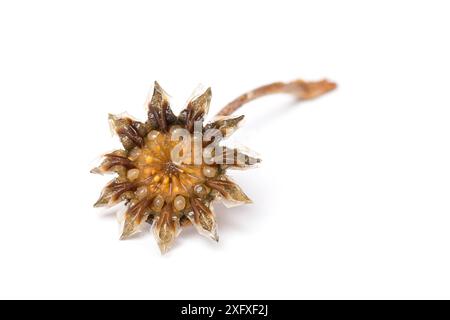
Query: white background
{"points": [[352, 198]]}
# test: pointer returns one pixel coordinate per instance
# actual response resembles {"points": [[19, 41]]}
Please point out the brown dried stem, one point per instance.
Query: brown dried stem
{"points": [[303, 90]]}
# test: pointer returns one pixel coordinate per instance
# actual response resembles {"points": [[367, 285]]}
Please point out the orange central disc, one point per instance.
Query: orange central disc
{"points": [[160, 173]]}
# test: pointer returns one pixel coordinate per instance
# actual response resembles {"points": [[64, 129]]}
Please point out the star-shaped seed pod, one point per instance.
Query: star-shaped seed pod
{"points": [[172, 168]]}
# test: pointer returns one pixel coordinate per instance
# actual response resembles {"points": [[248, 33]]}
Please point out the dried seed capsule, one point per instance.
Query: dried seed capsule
{"points": [[168, 192]]}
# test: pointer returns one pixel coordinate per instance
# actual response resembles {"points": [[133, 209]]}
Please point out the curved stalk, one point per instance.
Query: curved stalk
{"points": [[303, 90]]}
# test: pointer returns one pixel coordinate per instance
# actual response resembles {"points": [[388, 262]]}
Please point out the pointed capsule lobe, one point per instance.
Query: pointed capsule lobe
{"points": [[229, 190], [160, 115], [130, 132], [166, 228], [203, 218], [196, 110], [135, 216]]}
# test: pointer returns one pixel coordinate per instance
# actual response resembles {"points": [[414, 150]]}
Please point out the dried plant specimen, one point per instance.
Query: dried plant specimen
{"points": [[172, 168]]}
